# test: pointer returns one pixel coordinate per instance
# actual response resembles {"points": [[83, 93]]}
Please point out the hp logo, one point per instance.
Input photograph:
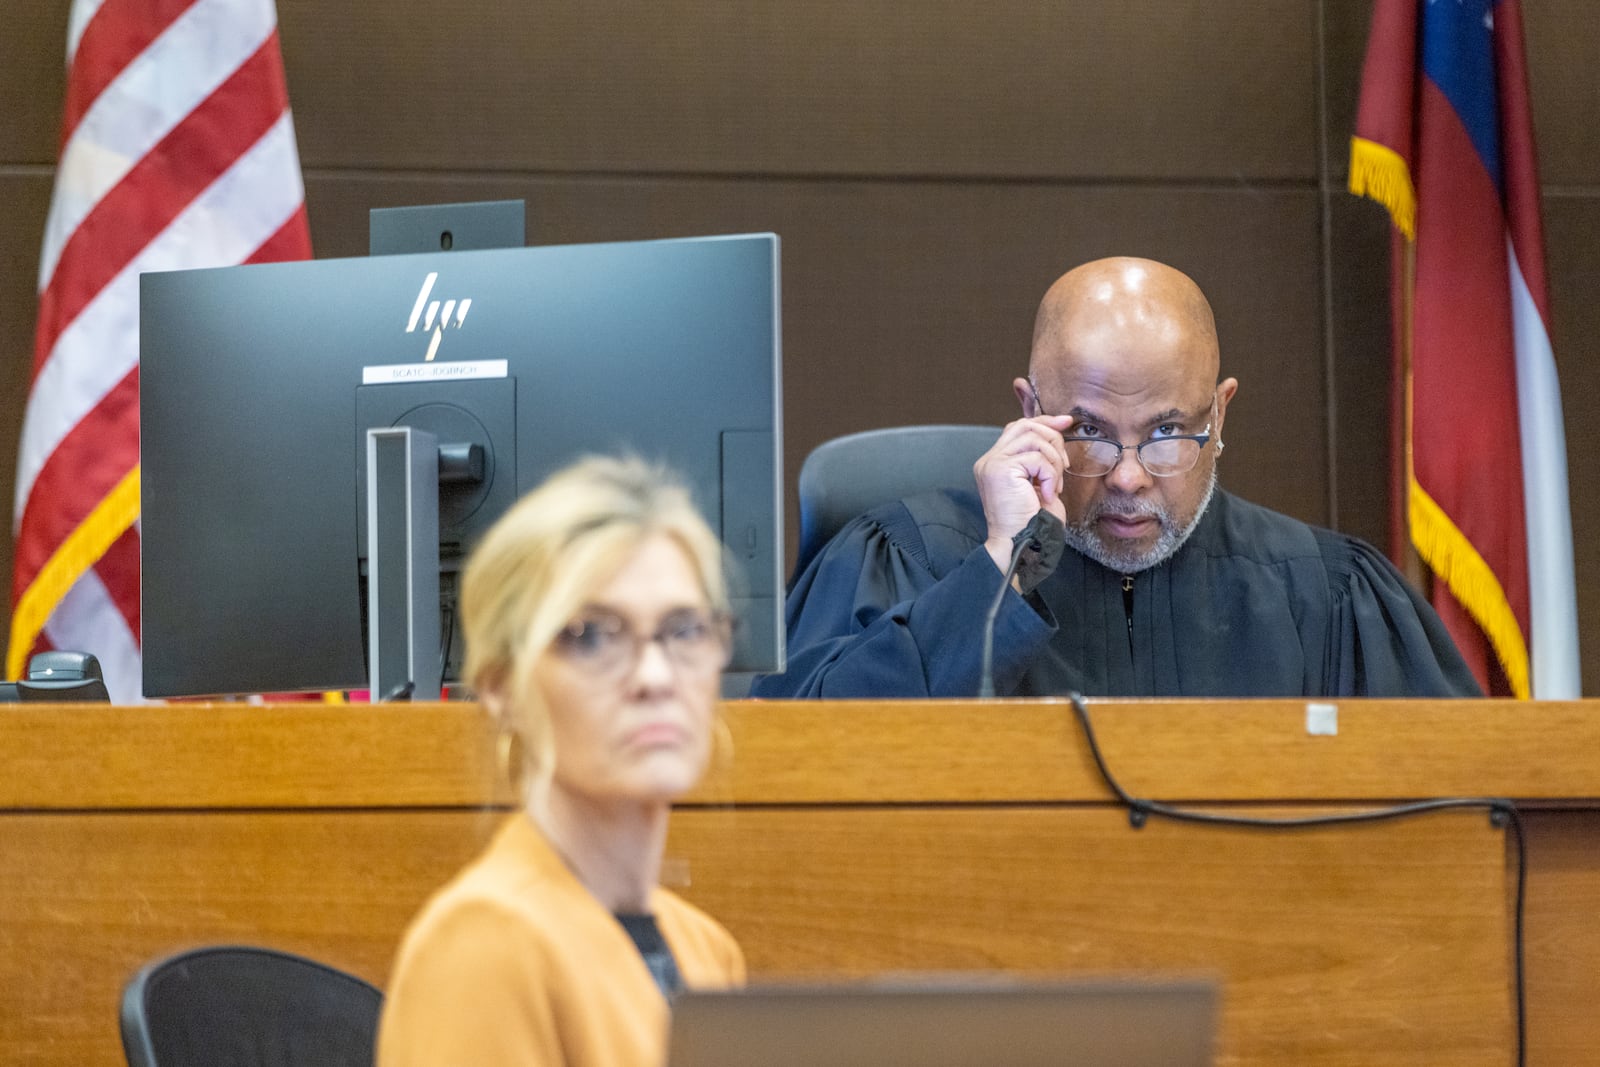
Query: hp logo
{"points": [[436, 318]]}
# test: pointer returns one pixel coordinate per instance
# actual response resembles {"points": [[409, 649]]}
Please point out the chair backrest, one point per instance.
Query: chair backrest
{"points": [[849, 475], [228, 1006]]}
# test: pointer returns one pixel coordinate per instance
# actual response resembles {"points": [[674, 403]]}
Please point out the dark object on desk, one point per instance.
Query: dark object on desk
{"points": [[976, 1021], [59, 678], [446, 227], [230, 1006]]}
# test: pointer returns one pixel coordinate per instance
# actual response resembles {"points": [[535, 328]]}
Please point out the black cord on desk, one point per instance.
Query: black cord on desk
{"points": [[1502, 813], [444, 645]]}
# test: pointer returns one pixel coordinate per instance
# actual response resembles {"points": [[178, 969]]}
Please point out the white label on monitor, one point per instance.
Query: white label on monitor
{"points": [[392, 373]]}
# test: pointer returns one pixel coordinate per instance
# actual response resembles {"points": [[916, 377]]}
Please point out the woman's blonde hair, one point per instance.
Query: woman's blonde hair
{"points": [[539, 564]]}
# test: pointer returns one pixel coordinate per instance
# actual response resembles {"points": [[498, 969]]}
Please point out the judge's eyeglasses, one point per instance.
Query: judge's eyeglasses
{"points": [[1161, 457]]}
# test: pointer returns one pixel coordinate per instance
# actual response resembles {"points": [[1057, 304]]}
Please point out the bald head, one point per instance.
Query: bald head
{"points": [[1140, 318], [1127, 350]]}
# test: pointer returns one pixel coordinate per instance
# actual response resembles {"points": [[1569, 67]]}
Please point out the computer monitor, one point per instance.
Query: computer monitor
{"points": [[258, 384]]}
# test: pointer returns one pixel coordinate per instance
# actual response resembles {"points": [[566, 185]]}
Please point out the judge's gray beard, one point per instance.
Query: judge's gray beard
{"points": [[1081, 534]]}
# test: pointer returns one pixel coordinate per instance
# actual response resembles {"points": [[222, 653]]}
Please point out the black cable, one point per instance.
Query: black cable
{"points": [[444, 651], [1502, 813]]}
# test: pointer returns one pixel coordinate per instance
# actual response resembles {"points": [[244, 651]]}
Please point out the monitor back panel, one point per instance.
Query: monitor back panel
{"points": [[257, 381]]}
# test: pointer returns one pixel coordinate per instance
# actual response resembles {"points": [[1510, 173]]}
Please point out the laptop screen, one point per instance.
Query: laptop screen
{"points": [[973, 1022]]}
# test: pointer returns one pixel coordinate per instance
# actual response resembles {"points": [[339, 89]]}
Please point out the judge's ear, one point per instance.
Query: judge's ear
{"points": [[1225, 390], [1026, 397]]}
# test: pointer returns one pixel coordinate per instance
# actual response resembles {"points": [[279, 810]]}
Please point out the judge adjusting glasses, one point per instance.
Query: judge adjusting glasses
{"points": [[1161, 457]]}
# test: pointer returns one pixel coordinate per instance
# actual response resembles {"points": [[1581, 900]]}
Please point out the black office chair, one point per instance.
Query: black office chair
{"points": [[229, 1006], [850, 475], [847, 476]]}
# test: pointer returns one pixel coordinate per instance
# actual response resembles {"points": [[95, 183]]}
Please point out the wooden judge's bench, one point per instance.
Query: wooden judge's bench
{"points": [[858, 838]]}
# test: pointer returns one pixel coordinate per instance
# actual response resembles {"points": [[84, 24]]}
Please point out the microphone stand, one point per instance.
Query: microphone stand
{"points": [[1044, 536]]}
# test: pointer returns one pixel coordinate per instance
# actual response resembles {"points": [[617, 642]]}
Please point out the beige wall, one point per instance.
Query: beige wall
{"points": [[930, 167]]}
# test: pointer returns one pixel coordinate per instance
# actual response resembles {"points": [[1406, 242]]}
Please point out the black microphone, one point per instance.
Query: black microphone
{"points": [[1041, 543]]}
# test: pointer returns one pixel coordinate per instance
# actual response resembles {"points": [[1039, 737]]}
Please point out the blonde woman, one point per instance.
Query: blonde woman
{"points": [[596, 627]]}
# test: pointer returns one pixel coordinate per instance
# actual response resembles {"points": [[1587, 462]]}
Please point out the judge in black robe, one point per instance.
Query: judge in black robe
{"points": [[1170, 588], [1253, 604]]}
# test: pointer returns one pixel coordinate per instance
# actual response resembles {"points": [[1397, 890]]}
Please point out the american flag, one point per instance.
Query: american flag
{"points": [[1444, 139], [177, 151]]}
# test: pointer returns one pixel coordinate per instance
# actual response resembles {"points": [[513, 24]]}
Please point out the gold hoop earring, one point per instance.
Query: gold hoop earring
{"points": [[509, 758], [721, 741]]}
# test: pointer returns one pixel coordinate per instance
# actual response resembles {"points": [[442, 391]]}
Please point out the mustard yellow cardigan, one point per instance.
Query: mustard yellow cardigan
{"points": [[514, 962]]}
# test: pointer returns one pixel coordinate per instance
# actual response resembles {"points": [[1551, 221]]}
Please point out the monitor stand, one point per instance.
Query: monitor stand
{"points": [[403, 632], [446, 227]]}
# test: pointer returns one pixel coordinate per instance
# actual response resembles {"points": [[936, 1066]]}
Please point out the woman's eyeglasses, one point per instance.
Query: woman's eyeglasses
{"points": [[606, 644]]}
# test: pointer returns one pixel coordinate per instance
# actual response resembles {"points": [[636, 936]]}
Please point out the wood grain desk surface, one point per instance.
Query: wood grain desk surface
{"points": [[796, 752], [851, 838]]}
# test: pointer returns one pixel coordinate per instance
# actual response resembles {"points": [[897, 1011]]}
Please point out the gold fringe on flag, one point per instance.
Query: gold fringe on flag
{"points": [[81, 550], [1453, 558], [1378, 172]]}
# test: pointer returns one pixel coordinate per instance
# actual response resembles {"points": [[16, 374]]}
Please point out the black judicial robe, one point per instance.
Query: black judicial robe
{"points": [[1254, 604]]}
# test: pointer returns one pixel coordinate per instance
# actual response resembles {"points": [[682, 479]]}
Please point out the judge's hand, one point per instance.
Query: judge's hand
{"points": [[1021, 474]]}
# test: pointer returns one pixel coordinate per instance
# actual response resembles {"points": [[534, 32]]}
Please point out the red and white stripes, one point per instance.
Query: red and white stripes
{"points": [[177, 151]]}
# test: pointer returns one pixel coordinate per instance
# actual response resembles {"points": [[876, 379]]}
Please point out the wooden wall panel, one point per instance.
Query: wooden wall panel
{"points": [[1277, 919], [1357, 293], [1344, 27], [32, 91], [25, 192], [1359, 416], [1572, 237], [1221, 89], [33, 52], [1301, 930], [91, 898], [1563, 37], [1563, 973]]}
